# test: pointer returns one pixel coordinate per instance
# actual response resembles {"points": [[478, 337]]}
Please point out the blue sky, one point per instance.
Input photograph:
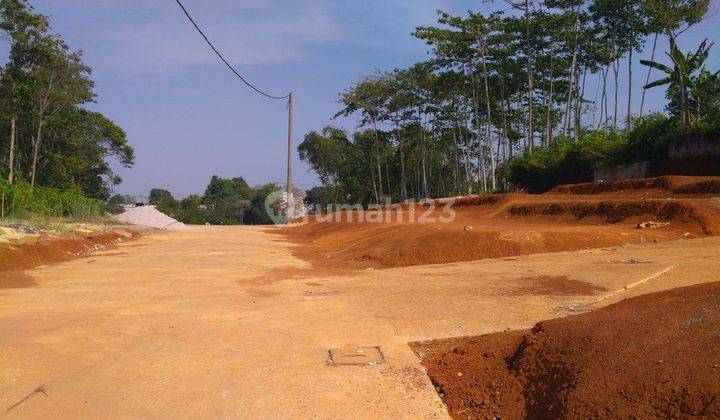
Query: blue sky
{"points": [[189, 118]]}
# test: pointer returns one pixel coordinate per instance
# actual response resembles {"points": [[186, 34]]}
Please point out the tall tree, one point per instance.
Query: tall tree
{"points": [[674, 17], [24, 29]]}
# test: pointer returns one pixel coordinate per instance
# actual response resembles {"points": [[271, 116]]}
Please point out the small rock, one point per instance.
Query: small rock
{"points": [[459, 374], [468, 228], [650, 225]]}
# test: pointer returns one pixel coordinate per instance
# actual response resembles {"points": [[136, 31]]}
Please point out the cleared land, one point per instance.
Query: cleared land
{"points": [[240, 321], [569, 218]]}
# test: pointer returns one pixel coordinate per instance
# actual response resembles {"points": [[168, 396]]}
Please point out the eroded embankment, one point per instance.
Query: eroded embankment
{"points": [[667, 186], [495, 226], [50, 249], [633, 359], [704, 214]]}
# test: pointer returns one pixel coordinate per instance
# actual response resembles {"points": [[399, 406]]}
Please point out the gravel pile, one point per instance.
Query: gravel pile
{"points": [[149, 216]]}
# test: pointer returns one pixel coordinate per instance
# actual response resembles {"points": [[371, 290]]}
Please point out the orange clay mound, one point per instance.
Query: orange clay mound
{"points": [[657, 187], [633, 359], [695, 212], [491, 226], [49, 250]]}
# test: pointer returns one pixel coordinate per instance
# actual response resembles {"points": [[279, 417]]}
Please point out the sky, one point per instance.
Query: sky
{"points": [[189, 118]]}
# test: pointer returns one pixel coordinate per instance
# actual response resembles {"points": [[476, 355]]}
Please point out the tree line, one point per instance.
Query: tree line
{"points": [[47, 136], [510, 89], [226, 201]]}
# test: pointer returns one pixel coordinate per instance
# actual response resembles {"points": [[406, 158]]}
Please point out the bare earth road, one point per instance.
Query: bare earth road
{"points": [[225, 322]]}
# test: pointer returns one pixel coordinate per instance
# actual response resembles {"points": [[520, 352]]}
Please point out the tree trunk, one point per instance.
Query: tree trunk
{"points": [[424, 173], [616, 69], [372, 176], [548, 127], [687, 117], [528, 47], [11, 155], [630, 83], [387, 178], [377, 155], [579, 95], [466, 157], [488, 123], [456, 164], [481, 173], [36, 149], [647, 79], [571, 78], [503, 105], [603, 100], [401, 143]]}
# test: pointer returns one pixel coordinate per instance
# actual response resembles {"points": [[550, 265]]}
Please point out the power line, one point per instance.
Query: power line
{"points": [[223, 58]]}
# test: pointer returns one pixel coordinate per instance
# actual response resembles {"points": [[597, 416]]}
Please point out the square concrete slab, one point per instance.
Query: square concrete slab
{"points": [[356, 356]]}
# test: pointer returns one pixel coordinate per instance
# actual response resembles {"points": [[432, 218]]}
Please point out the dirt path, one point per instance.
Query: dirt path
{"points": [[225, 322]]}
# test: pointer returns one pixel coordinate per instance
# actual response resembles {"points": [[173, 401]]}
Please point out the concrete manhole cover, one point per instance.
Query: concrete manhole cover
{"points": [[356, 356]]}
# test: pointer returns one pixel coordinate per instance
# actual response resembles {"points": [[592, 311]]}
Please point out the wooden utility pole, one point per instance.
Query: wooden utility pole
{"points": [[290, 201]]}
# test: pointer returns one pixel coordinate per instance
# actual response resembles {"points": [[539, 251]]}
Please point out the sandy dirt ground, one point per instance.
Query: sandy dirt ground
{"points": [[227, 322]]}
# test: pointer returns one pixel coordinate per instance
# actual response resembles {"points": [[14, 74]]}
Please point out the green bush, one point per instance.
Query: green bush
{"points": [[568, 161], [21, 200], [565, 161]]}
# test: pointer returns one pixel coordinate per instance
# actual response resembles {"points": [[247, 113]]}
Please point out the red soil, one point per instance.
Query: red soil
{"points": [[694, 212], [666, 186], [48, 250], [555, 286], [633, 359], [500, 225]]}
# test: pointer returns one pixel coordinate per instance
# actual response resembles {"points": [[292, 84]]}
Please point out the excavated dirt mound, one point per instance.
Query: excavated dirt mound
{"points": [[49, 250], [705, 187], [661, 186], [482, 200], [492, 226], [633, 359], [702, 213]]}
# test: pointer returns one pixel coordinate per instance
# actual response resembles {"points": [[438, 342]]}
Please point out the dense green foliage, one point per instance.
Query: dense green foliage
{"points": [[571, 161], [225, 202], [19, 200], [528, 96], [47, 138], [221, 189], [114, 204]]}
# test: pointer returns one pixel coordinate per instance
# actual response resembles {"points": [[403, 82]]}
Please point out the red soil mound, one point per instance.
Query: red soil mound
{"points": [[698, 212], [670, 185], [495, 226], [483, 200], [48, 250], [633, 359], [703, 187]]}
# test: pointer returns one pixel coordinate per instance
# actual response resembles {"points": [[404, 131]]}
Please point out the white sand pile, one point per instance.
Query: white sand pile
{"points": [[149, 216]]}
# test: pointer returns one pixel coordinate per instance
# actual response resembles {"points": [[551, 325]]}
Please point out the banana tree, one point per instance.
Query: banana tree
{"points": [[682, 75]]}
